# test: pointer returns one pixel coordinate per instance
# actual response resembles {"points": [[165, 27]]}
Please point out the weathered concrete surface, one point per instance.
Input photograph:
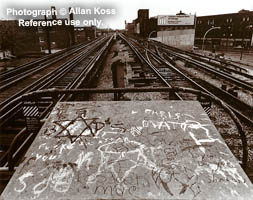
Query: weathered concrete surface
{"points": [[183, 39], [129, 150]]}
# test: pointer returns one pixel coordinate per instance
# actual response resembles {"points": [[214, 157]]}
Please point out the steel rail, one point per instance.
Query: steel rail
{"points": [[9, 110], [200, 56], [148, 62], [6, 83], [243, 117], [238, 113], [221, 74], [45, 79], [23, 67], [224, 75], [75, 83]]}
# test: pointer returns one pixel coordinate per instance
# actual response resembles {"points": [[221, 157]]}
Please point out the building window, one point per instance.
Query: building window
{"points": [[243, 19], [231, 19], [40, 29], [210, 22], [247, 18]]}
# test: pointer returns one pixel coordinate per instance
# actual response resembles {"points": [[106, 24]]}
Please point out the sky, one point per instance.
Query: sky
{"points": [[121, 10]]}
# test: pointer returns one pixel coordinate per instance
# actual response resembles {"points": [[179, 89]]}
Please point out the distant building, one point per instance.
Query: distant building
{"points": [[236, 30], [143, 21], [60, 36], [85, 33], [30, 39], [22, 40], [130, 27], [175, 30], [80, 35], [90, 32], [18, 40], [153, 28]]}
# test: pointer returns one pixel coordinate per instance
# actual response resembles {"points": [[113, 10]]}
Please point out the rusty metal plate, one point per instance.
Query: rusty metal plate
{"points": [[129, 150]]}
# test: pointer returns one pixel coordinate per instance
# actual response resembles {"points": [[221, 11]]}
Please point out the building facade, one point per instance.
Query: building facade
{"points": [[143, 21], [18, 40], [233, 30], [174, 30]]}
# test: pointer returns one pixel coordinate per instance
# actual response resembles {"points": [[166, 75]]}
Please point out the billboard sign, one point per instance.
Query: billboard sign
{"points": [[175, 20]]}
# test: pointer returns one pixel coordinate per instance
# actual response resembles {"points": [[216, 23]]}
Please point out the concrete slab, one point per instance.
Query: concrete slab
{"points": [[129, 150]]}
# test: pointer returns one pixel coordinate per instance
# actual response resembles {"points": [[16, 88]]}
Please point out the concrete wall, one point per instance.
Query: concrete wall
{"points": [[183, 39]]}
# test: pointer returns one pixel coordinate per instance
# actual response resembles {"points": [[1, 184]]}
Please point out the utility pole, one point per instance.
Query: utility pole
{"points": [[242, 46], [48, 37], [71, 28]]}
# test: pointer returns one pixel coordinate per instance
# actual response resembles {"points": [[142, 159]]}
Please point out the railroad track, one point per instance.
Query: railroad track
{"points": [[227, 71], [23, 76], [173, 77], [239, 107], [69, 75], [221, 65], [35, 82], [12, 75], [170, 77], [242, 109], [207, 66]]}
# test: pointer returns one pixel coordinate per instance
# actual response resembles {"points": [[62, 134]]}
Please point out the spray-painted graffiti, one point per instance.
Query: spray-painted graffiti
{"points": [[139, 153]]}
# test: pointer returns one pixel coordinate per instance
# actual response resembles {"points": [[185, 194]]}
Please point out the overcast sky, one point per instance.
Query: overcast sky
{"points": [[127, 9]]}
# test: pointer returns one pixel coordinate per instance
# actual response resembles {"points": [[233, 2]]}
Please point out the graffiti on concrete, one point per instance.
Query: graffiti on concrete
{"points": [[140, 153]]}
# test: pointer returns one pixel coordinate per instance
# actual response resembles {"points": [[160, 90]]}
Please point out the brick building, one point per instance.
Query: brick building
{"points": [[143, 22], [85, 33], [175, 30], [60, 36], [30, 39], [18, 40], [235, 30]]}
